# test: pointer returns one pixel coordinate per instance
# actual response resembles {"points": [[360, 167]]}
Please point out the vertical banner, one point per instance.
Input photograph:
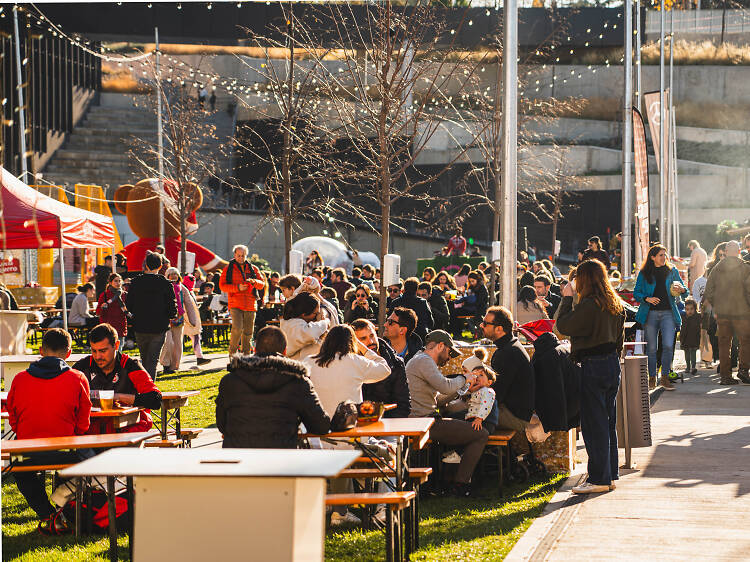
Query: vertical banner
{"points": [[653, 111], [641, 183]]}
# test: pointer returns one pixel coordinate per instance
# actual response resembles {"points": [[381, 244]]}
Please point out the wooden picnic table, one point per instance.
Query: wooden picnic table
{"points": [[204, 493], [109, 421], [171, 404], [20, 447]]}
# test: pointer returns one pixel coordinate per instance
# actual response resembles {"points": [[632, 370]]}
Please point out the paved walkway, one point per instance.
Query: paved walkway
{"points": [[688, 499]]}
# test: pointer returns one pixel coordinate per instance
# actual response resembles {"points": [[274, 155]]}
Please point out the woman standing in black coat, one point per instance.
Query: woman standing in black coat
{"points": [[265, 396]]}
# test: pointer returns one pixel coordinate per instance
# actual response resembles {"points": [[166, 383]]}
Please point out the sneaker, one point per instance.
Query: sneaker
{"points": [[673, 376], [202, 360], [347, 519], [589, 488], [55, 524], [168, 371], [694, 371], [452, 458], [729, 382], [743, 376]]}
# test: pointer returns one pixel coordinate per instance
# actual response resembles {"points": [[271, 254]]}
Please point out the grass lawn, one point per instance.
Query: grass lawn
{"points": [[483, 528]]}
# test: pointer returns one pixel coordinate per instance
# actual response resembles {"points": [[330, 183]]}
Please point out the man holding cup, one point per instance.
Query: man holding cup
{"points": [[108, 369]]}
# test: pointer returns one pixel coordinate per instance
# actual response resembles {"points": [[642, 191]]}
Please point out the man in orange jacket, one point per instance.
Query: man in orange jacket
{"points": [[244, 284]]}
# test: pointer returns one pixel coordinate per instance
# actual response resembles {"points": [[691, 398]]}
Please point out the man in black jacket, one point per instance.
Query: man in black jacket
{"points": [[542, 287], [399, 333], [409, 299], [595, 252], [264, 397], [514, 387], [151, 301], [394, 389]]}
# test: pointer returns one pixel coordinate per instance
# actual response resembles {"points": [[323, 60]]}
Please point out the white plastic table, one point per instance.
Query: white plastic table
{"points": [[228, 504]]}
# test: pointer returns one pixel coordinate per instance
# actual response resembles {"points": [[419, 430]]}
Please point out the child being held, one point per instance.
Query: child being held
{"points": [[690, 334], [482, 410]]}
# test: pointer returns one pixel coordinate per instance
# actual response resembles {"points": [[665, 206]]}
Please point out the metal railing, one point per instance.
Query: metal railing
{"points": [[703, 21]]}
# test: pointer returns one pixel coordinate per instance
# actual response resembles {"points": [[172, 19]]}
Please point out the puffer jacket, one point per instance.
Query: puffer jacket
{"points": [[246, 274], [263, 399], [728, 288]]}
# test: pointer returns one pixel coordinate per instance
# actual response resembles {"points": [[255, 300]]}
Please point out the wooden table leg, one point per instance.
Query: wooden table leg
{"points": [[131, 509], [79, 498], [112, 516]]}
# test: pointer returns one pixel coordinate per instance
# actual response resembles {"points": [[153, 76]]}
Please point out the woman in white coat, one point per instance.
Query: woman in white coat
{"points": [[193, 325], [171, 353], [303, 332]]}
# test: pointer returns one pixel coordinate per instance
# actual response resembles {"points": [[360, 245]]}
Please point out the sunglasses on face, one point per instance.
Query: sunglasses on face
{"points": [[394, 290], [391, 321], [484, 323], [361, 296]]}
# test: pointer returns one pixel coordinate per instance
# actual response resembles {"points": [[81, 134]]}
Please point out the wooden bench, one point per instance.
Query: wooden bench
{"points": [[501, 439], [185, 440], [395, 502], [218, 329]]}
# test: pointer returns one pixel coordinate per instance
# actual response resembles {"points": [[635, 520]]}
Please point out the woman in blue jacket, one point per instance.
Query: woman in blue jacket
{"points": [[658, 289]]}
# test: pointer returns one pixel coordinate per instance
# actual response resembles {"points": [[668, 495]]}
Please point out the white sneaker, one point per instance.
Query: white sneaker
{"points": [[347, 519], [589, 488], [452, 458]]}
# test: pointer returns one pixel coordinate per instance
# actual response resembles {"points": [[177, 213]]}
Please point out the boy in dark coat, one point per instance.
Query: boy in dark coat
{"points": [[557, 384], [690, 334], [265, 396]]}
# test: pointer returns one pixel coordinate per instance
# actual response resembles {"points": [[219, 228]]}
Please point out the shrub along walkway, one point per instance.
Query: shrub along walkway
{"points": [[687, 499]]}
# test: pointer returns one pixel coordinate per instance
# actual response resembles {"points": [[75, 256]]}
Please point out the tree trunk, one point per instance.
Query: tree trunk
{"points": [[287, 148], [555, 220]]}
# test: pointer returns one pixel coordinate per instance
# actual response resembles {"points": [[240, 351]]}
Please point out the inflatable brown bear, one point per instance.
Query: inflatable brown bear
{"points": [[143, 218]]}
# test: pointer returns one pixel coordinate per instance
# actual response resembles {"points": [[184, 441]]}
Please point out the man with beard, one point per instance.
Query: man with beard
{"points": [[394, 389], [426, 382]]}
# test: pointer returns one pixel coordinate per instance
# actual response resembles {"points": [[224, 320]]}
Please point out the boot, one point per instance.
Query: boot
{"points": [[742, 374], [665, 383], [651, 383]]}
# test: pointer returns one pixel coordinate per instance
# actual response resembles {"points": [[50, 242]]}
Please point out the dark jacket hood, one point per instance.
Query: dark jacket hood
{"points": [[48, 367], [546, 342], [267, 373]]}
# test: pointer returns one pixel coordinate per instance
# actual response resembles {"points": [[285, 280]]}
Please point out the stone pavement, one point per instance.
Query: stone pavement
{"points": [[687, 499]]}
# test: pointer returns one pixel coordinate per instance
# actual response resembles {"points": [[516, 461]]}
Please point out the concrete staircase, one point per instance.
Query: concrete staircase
{"points": [[98, 150]]}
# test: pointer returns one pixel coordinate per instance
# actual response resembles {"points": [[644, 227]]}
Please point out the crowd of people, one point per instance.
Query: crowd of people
{"points": [[318, 346]]}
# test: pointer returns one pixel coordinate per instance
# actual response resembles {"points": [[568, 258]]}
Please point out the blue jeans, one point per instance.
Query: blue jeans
{"points": [[660, 321], [600, 380]]}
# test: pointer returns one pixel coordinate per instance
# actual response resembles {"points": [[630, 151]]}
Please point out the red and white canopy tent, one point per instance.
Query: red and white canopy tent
{"points": [[30, 220]]}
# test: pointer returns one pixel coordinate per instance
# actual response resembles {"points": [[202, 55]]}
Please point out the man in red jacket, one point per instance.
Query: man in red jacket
{"points": [[244, 284], [108, 369], [49, 399]]}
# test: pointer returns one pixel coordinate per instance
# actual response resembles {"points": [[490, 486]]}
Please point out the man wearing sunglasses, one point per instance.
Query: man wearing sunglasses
{"points": [[399, 333], [514, 387], [410, 300], [393, 292]]}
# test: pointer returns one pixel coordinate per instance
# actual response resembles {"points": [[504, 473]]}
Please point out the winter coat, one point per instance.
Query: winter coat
{"points": [[592, 331], [557, 381], [303, 338], [425, 322], [439, 307], [49, 399], [728, 288], [192, 315], [690, 332], [341, 287], [152, 303], [514, 386], [645, 288], [263, 399], [110, 310], [392, 390], [343, 378], [414, 345], [245, 274], [534, 312], [350, 315]]}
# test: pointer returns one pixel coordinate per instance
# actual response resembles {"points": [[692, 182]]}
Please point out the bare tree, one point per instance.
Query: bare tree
{"points": [[399, 79], [191, 155], [300, 165]]}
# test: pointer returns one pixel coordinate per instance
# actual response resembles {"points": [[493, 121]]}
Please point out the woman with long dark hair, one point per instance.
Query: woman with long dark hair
{"points": [[657, 289], [528, 307], [462, 277], [596, 328]]}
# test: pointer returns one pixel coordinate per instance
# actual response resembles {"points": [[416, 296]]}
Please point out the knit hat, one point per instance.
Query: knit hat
{"points": [[475, 360]]}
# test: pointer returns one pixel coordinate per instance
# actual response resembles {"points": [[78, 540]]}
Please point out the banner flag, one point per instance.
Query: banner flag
{"points": [[640, 160]]}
